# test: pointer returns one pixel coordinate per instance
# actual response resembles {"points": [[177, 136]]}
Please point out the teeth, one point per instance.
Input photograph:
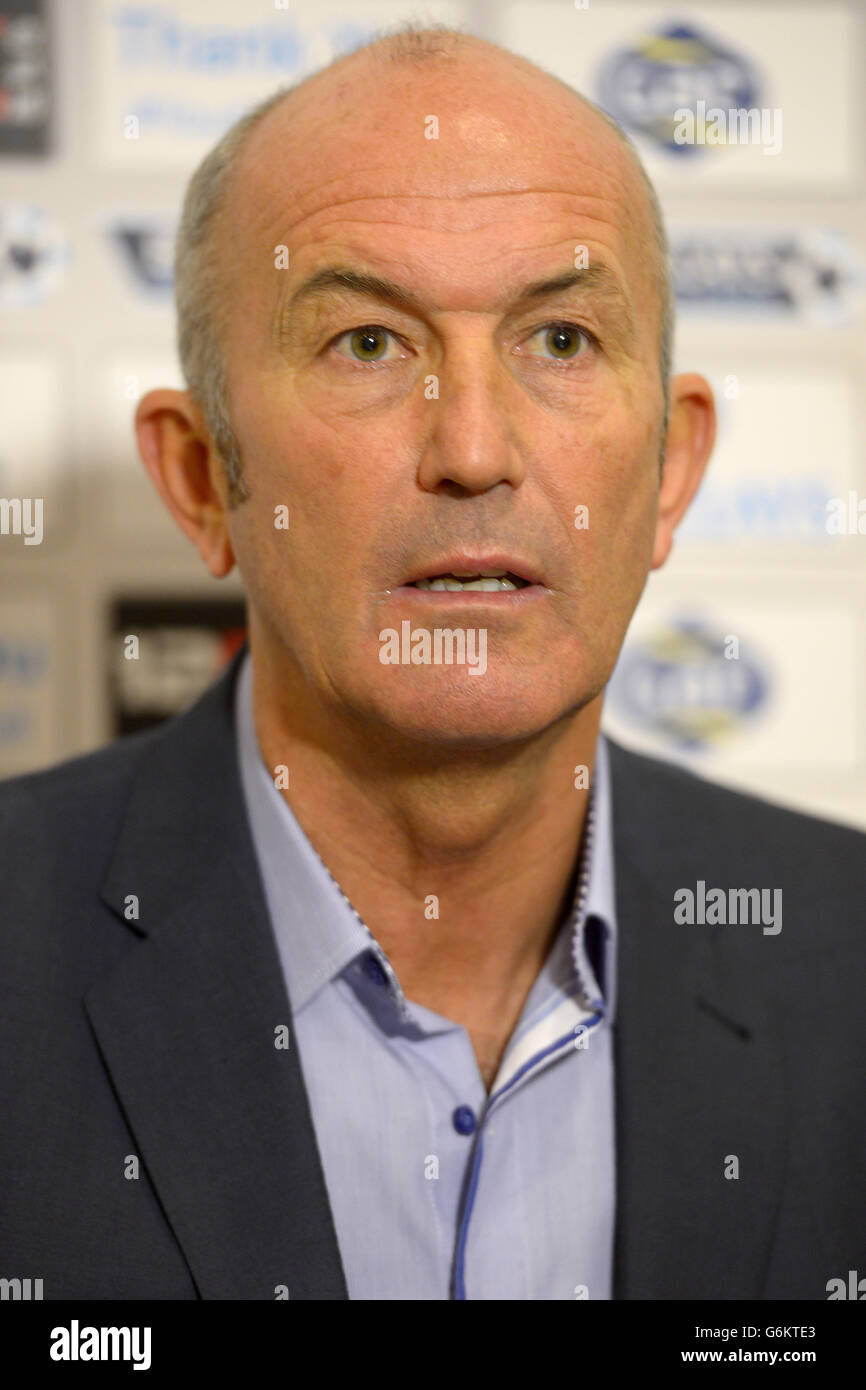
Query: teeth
{"points": [[488, 584]]}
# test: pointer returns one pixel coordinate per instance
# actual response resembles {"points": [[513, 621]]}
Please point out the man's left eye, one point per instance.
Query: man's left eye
{"points": [[564, 341], [367, 345]]}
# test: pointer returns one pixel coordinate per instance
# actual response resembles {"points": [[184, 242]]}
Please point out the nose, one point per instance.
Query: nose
{"points": [[472, 445]]}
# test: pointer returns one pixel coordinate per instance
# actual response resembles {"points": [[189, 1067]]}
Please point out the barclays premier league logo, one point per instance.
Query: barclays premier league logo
{"points": [[813, 275], [643, 86], [146, 248], [687, 684], [34, 255]]}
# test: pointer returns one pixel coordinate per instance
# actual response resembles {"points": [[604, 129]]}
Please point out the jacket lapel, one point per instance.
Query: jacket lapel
{"points": [[699, 1065], [186, 1023]]}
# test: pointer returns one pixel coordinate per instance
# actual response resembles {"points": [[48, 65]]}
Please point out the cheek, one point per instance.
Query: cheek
{"points": [[627, 478], [333, 490], [612, 474], [292, 459], [615, 479], [343, 479]]}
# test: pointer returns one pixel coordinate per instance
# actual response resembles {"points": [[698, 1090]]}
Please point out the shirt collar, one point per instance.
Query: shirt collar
{"points": [[319, 933]]}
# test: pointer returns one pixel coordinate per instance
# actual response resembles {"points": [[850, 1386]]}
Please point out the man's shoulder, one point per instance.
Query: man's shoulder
{"points": [[142, 808], [690, 840], [72, 800], [683, 831], [698, 807], [82, 775], [86, 793]]}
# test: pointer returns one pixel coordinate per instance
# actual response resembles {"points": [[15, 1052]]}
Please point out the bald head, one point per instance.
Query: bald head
{"points": [[349, 136]]}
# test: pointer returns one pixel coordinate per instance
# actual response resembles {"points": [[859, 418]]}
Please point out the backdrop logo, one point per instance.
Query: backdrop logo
{"points": [[642, 86], [782, 272], [23, 660], [188, 69], [25, 79], [759, 507], [681, 684], [33, 255], [147, 250], [156, 37]]}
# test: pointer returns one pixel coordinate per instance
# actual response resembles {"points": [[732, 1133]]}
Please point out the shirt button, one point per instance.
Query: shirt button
{"points": [[373, 969], [463, 1120]]}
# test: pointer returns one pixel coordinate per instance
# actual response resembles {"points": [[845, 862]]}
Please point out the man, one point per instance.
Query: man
{"points": [[367, 976]]}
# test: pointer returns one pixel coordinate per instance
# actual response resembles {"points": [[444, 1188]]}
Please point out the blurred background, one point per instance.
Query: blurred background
{"points": [[745, 659]]}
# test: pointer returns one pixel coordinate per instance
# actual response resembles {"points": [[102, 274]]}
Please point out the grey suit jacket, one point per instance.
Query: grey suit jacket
{"points": [[140, 988]]}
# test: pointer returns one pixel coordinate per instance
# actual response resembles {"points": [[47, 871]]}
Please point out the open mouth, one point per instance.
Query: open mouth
{"points": [[500, 582]]}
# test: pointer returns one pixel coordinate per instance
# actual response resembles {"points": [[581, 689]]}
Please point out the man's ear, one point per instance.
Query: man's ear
{"points": [[179, 455], [690, 439]]}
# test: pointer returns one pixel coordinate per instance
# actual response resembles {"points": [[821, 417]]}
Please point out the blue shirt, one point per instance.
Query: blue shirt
{"points": [[439, 1190]]}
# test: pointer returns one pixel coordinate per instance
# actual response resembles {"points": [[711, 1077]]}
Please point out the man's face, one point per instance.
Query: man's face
{"points": [[468, 428]]}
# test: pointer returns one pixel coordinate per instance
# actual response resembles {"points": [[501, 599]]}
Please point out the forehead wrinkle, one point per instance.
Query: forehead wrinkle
{"points": [[267, 179], [615, 198], [337, 278], [258, 185], [591, 220]]}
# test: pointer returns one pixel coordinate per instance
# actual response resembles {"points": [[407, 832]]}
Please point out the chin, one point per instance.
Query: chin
{"points": [[456, 710]]}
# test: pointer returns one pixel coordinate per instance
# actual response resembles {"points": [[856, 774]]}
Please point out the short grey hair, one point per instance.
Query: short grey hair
{"points": [[197, 290], [197, 275]]}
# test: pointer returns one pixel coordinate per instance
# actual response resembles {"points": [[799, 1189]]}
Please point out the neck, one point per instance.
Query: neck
{"points": [[461, 864]]}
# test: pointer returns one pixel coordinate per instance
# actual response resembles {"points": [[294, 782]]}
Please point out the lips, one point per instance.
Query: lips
{"points": [[472, 583], [447, 571]]}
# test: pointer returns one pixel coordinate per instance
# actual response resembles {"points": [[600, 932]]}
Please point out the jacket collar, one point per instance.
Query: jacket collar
{"points": [[187, 1024]]}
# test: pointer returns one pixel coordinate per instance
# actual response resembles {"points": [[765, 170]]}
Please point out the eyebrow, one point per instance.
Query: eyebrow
{"points": [[599, 278]]}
